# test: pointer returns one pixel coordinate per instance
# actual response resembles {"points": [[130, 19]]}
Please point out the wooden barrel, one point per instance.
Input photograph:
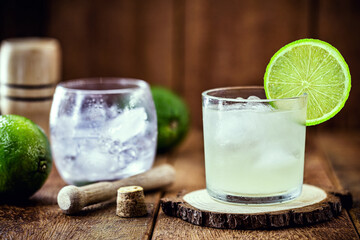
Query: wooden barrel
{"points": [[29, 72]]}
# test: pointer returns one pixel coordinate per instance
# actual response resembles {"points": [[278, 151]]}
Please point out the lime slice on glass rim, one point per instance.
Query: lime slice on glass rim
{"points": [[313, 67]]}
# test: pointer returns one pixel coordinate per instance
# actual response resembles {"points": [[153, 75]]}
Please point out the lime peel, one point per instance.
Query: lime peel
{"points": [[310, 73]]}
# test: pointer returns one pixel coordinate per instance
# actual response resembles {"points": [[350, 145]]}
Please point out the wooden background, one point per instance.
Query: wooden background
{"points": [[188, 45]]}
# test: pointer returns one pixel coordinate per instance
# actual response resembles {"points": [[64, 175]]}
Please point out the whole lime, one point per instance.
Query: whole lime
{"points": [[25, 157], [173, 118]]}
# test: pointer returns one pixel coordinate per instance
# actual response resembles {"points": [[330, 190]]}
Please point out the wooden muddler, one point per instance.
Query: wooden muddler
{"points": [[72, 199]]}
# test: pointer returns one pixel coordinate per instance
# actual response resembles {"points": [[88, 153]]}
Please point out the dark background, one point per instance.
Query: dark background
{"points": [[188, 45]]}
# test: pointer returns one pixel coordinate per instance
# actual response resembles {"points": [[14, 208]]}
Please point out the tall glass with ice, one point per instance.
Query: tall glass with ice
{"points": [[254, 147], [102, 129]]}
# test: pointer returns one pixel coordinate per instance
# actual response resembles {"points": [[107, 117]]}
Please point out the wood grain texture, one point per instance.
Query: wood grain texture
{"points": [[115, 38], [41, 218], [229, 43], [189, 164], [188, 46], [48, 222], [339, 24], [68, 22], [341, 149], [324, 210]]}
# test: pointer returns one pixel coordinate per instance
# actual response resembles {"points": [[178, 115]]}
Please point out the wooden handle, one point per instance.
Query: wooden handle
{"points": [[72, 199]]}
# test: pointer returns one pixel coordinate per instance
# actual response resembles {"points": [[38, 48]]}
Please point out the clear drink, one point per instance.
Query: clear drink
{"points": [[254, 149], [102, 129]]}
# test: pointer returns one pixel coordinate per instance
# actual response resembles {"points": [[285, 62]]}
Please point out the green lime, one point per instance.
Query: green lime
{"points": [[25, 157], [172, 116], [314, 67]]}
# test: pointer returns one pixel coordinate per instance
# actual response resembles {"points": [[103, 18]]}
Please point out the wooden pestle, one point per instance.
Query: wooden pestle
{"points": [[72, 199]]}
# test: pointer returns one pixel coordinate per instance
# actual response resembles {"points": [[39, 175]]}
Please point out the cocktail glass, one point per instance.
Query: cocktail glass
{"points": [[102, 129], [254, 147]]}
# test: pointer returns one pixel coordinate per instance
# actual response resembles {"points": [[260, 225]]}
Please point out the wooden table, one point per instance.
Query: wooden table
{"points": [[331, 161]]}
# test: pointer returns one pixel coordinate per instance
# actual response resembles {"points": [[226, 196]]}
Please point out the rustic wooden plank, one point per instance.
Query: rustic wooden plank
{"points": [[230, 43], [48, 222], [178, 57], [189, 163], [113, 39], [68, 22], [41, 218], [339, 24], [191, 46], [122, 38], [342, 151], [155, 44]]}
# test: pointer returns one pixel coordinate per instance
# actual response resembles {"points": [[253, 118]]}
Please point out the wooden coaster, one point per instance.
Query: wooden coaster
{"points": [[314, 205]]}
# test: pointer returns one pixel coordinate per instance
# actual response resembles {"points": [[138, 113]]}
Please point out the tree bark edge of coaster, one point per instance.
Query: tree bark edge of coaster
{"points": [[322, 211]]}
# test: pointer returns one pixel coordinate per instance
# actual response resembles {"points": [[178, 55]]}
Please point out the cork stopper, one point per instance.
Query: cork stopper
{"points": [[130, 202]]}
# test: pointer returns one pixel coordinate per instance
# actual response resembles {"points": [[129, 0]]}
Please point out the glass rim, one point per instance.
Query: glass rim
{"points": [[128, 85], [263, 100]]}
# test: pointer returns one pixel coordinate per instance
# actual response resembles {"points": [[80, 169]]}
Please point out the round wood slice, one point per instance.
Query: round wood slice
{"points": [[314, 205]]}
